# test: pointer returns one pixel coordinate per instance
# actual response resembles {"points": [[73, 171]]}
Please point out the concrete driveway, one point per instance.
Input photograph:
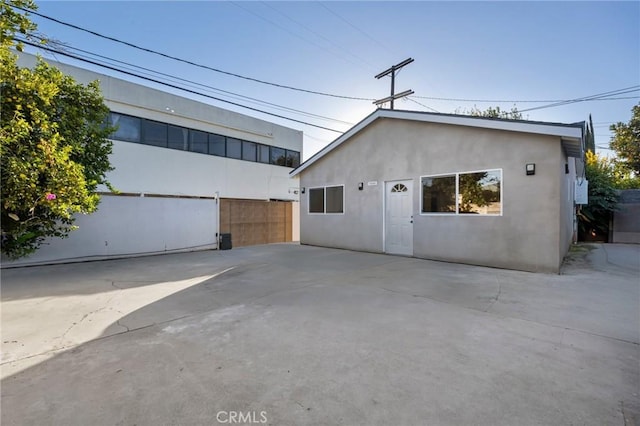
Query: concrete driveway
{"points": [[294, 335]]}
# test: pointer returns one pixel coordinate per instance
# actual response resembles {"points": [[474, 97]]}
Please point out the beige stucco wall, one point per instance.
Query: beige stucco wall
{"points": [[532, 234]]}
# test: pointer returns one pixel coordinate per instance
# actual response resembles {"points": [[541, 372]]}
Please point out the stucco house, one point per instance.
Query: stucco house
{"points": [[465, 189]]}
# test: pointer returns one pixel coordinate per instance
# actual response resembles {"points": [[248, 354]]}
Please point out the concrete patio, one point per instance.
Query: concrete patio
{"points": [[289, 335]]}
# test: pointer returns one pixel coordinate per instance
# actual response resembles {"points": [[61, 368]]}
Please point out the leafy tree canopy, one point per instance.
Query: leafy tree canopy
{"points": [[603, 196], [626, 141], [493, 112], [53, 144]]}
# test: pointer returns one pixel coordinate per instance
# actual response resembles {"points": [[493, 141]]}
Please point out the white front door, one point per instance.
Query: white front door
{"points": [[399, 217]]}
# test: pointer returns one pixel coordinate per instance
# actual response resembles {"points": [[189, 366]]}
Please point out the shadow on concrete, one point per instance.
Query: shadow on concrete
{"points": [[312, 335]]}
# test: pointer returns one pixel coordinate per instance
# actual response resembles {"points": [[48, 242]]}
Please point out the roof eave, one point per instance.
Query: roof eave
{"points": [[570, 134]]}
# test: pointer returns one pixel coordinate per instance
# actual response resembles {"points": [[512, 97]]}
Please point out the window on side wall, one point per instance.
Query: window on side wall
{"points": [[249, 150], [334, 199], [234, 148], [155, 133], [263, 154], [217, 145], [178, 137], [198, 141], [128, 128], [326, 200], [316, 200], [293, 159], [467, 193], [278, 156]]}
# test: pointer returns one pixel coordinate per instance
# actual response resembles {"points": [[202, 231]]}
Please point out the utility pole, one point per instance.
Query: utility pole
{"points": [[392, 71]]}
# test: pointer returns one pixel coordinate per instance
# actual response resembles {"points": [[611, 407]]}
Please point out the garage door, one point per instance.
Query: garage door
{"points": [[252, 222]]}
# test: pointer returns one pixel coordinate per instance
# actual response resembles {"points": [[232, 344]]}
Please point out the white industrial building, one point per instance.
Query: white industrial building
{"points": [[187, 172]]}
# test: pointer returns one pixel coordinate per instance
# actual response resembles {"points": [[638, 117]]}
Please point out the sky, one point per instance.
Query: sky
{"points": [[466, 55]]}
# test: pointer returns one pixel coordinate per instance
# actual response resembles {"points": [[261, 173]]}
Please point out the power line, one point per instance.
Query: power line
{"points": [[370, 37], [175, 86], [195, 84], [186, 61], [291, 32], [316, 33], [511, 100], [421, 104], [586, 98]]}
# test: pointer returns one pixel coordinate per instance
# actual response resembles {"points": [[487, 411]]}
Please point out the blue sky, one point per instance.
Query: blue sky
{"points": [[468, 51]]}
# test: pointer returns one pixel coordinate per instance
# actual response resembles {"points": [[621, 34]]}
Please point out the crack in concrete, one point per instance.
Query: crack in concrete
{"points": [[85, 316], [624, 417], [123, 326], [495, 300], [516, 318]]}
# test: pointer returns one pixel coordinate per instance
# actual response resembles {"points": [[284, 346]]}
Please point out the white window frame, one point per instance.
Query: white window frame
{"points": [[324, 205], [457, 212]]}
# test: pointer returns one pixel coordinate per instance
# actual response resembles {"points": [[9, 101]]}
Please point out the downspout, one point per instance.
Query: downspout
{"points": [[218, 220]]}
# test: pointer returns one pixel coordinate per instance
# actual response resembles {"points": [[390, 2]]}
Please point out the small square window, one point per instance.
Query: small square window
{"points": [[155, 133], [334, 195], [293, 159], [178, 137], [263, 154], [316, 200], [198, 141], [249, 150], [234, 148], [217, 145], [278, 156], [127, 127]]}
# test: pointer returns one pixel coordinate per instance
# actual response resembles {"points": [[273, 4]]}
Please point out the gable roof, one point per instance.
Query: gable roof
{"points": [[571, 135]]}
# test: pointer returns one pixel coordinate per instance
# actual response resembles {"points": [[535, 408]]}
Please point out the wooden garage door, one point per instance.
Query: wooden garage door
{"points": [[252, 222]]}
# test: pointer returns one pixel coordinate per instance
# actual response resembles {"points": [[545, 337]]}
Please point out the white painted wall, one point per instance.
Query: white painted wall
{"points": [[133, 225], [153, 170]]}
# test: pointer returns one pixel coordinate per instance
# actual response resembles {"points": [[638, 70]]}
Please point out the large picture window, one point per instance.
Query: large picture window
{"points": [[476, 193], [479, 192], [328, 199], [439, 194]]}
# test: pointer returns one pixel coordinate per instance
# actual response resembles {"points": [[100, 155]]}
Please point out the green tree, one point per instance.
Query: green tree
{"points": [[496, 112], [53, 144], [626, 142], [589, 137], [594, 218]]}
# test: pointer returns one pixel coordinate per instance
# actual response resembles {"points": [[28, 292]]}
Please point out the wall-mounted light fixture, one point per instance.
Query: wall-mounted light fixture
{"points": [[302, 190], [360, 186], [531, 169]]}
